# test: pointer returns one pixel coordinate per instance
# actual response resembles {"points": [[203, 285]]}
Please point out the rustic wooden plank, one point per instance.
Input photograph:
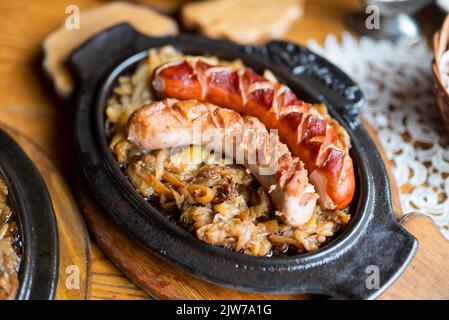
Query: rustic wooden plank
{"points": [[108, 282], [427, 276]]}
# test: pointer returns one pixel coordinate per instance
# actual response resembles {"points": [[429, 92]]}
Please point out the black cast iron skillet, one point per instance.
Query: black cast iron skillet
{"points": [[340, 269], [38, 273]]}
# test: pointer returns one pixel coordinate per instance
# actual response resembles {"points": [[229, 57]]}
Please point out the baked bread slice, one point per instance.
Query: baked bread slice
{"points": [[59, 44], [245, 21]]}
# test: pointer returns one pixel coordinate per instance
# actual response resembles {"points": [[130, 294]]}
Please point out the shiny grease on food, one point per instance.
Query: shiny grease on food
{"points": [[172, 123], [220, 202], [318, 140], [9, 247]]}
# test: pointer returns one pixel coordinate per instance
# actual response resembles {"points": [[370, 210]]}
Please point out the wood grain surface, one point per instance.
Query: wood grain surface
{"points": [[427, 276], [29, 104]]}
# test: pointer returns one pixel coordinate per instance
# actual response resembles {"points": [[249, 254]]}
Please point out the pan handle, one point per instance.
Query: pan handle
{"points": [[364, 264], [373, 262], [320, 77], [97, 56]]}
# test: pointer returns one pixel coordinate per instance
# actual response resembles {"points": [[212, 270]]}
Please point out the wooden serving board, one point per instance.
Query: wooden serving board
{"points": [[427, 277], [74, 244]]}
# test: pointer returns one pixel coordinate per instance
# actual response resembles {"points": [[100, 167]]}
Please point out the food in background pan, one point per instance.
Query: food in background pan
{"points": [[222, 201], [9, 247]]}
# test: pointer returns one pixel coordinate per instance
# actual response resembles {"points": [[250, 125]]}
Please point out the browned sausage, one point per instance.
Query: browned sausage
{"points": [[173, 123], [310, 135]]}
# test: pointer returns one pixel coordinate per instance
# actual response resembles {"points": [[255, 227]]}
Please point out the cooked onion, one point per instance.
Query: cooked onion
{"points": [[201, 194], [220, 202]]}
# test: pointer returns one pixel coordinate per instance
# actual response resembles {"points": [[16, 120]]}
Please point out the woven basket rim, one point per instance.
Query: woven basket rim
{"points": [[438, 51]]}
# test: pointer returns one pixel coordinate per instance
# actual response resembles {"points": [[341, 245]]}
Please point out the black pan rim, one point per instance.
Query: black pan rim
{"points": [[93, 62], [38, 272]]}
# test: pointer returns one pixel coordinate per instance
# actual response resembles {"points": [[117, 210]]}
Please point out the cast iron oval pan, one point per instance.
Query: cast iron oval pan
{"points": [[38, 274], [340, 269]]}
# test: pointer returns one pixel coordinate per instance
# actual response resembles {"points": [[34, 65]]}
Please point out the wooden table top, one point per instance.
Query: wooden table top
{"points": [[28, 103]]}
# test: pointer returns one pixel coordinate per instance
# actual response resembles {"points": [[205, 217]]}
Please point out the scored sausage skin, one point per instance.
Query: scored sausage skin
{"points": [[319, 141], [172, 123]]}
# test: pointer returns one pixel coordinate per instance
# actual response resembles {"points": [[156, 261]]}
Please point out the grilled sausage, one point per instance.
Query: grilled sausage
{"points": [[317, 140], [172, 123]]}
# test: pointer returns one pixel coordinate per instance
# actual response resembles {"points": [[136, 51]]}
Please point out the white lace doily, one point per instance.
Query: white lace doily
{"points": [[398, 86]]}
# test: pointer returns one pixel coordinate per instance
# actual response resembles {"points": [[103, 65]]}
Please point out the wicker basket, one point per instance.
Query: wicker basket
{"points": [[440, 46]]}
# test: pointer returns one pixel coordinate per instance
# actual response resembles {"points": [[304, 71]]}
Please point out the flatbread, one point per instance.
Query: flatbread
{"points": [[244, 21], [59, 44]]}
